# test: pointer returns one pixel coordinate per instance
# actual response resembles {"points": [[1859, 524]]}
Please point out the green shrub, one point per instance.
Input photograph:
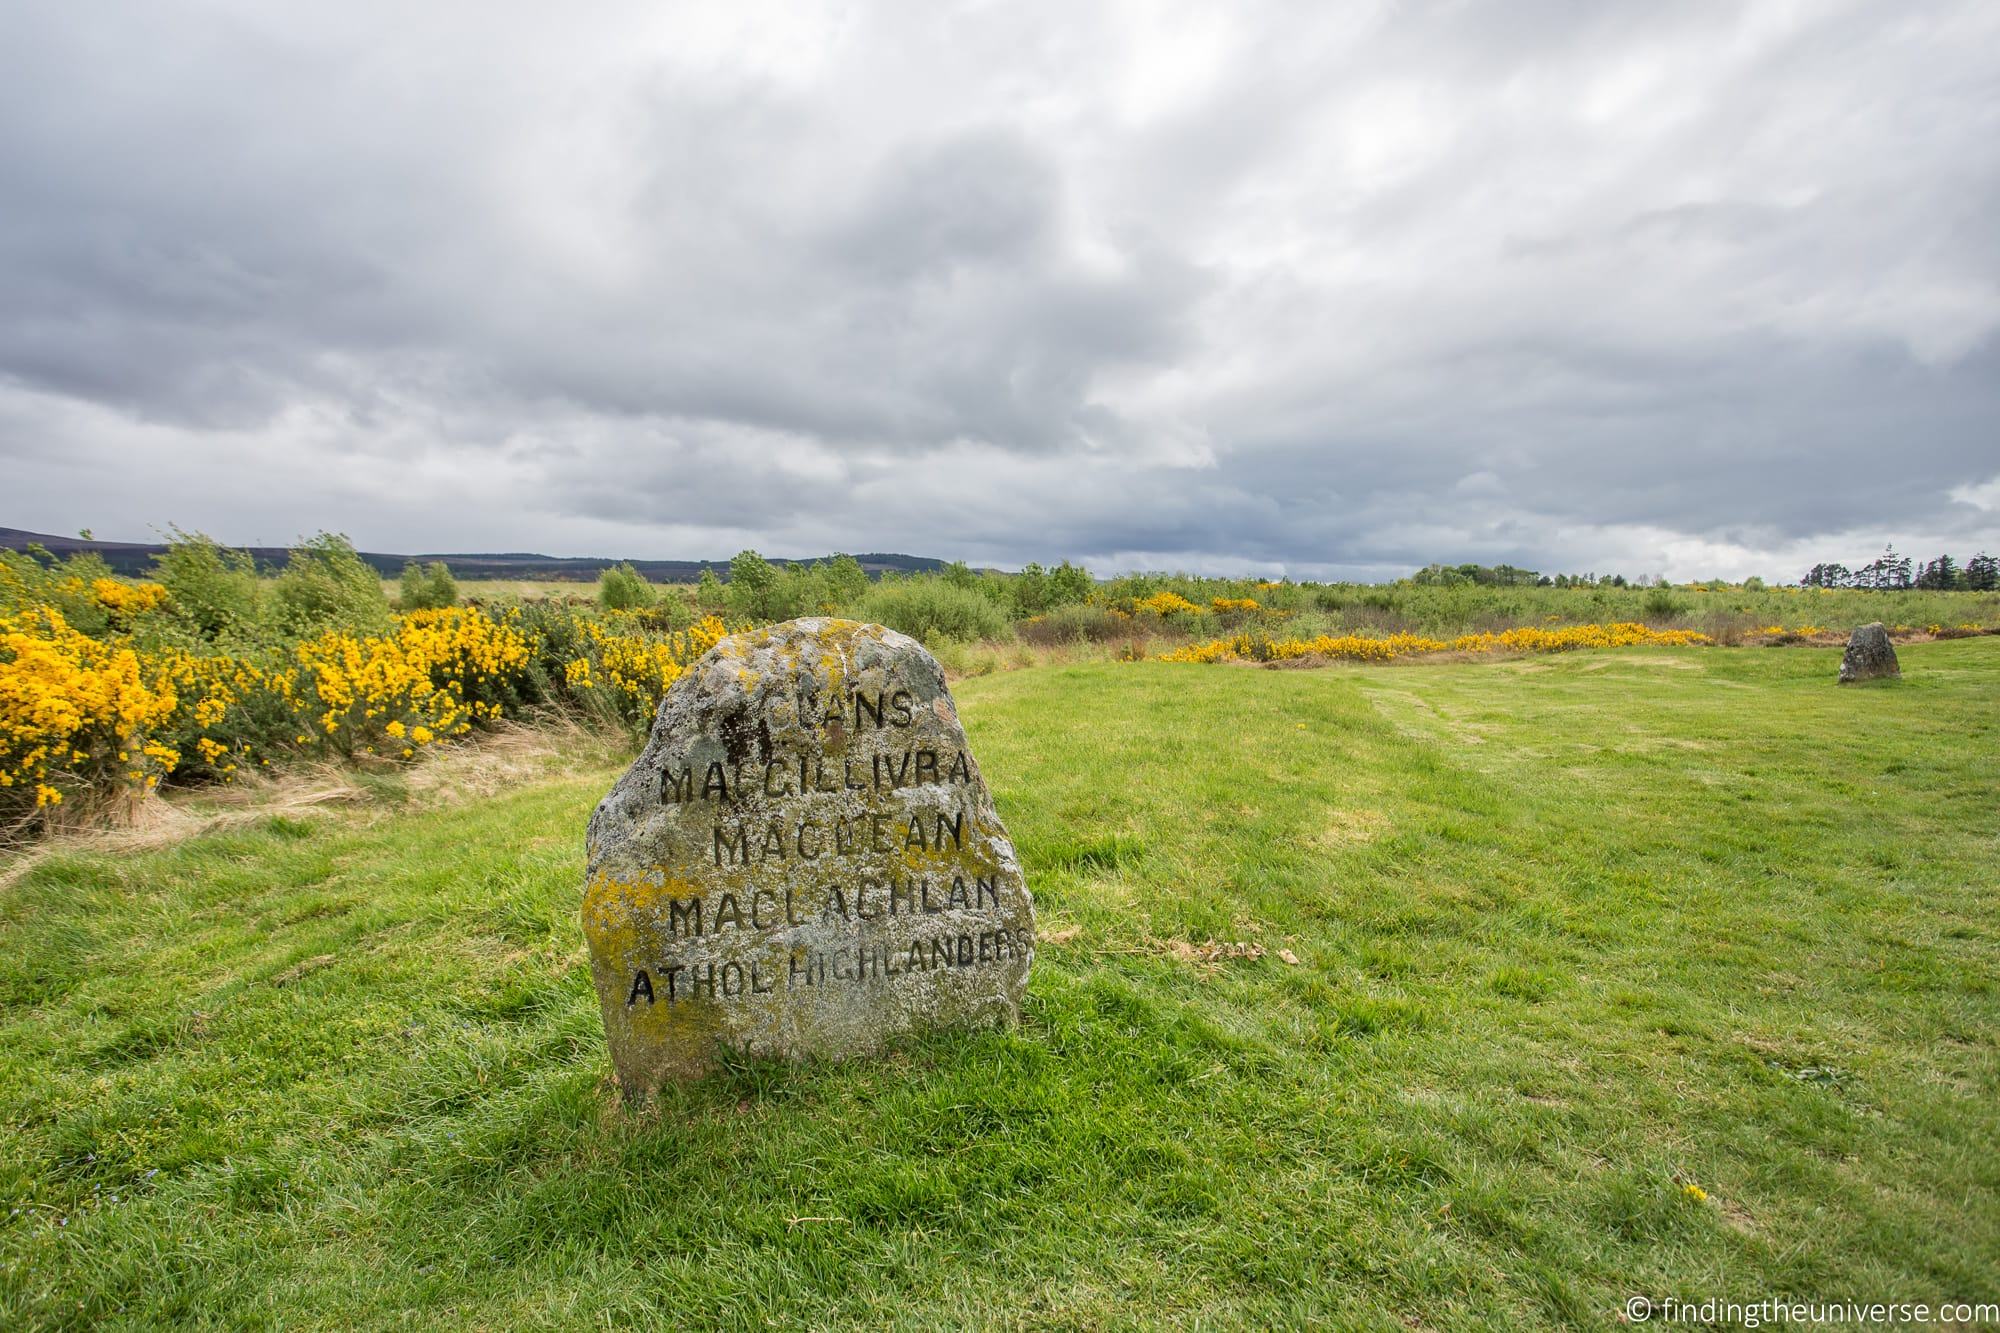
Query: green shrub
{"points": [[623, 588], [1031, 590], [1077, 624], [669, 614], [754, 588], [1661, 604], [38, 577], [327, 585], [932, 610], [214, 587], [960, 659], [429, 588], [1069, 584], [709, 594], [846, 581], [801, 590]]}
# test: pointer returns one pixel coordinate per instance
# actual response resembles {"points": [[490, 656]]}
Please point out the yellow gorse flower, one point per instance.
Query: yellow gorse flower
{"points": [[421, 680], [64, 694], [635, 668], [78, 711], [1166, 604], [1363, 648], [128, 599]]}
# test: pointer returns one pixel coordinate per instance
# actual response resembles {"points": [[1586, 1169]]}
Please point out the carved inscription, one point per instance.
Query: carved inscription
{"points": [[805, 860]]}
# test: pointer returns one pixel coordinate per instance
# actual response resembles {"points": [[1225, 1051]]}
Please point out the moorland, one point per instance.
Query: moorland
{"points": [[1491, 983]]}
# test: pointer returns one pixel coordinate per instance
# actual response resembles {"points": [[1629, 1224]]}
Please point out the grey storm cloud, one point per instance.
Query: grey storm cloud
{"points": [[1322, 290]]}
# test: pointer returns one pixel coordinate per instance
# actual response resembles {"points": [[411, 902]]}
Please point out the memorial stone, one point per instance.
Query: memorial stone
{"points": [[804, 860], [1869, 655]]}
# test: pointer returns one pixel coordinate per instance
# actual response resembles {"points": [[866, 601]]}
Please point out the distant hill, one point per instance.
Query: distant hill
{"points": [[136, 559]]}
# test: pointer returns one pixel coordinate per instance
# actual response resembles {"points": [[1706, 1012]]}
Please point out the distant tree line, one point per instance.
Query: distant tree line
{"points": [[1888, 572], [956, 601], [1891, 572], [1509, 576]]}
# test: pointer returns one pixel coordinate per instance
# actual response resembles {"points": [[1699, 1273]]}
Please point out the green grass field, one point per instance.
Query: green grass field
{"points": [[1632, 972], [503, 591]]}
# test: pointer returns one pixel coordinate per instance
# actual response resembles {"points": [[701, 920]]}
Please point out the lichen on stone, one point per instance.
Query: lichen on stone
{"points": [[804, 861]]}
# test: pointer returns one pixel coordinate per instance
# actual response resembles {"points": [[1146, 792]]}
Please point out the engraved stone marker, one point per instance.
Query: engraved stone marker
{"points": [[804, 860]]}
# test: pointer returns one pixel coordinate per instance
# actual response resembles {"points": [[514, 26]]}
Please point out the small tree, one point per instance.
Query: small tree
{"points": [[1982, 573], [753, 585], [1443, 576], [429, 588], [1069, 584], [1940, 574], [1031, 590], [327, 585], [623, 588], [801, 591], [214, 587], [846, 581], [1887, 572]]}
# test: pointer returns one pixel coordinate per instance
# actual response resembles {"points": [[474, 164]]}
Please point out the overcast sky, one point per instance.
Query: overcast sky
{"points": [[1315, 289]]}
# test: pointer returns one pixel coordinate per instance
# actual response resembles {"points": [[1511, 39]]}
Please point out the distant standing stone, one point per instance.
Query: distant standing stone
{"points": [[804, 860], [1869, 656]]}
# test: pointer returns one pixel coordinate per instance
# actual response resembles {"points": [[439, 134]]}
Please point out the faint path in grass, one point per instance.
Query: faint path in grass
{"points": [[501, 756]]}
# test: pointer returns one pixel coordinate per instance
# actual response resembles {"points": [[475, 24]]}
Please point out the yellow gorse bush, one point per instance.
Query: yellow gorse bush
{"points": [[68, 702], [433, 676], [1166, 604], [1365, 648], [80, 712], [636, 668], [128, 599]]}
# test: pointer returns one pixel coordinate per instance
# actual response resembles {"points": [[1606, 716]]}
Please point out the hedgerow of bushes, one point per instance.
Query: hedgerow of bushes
{"points": [[109, 687]]}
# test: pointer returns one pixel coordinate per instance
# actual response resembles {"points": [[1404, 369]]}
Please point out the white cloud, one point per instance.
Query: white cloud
{"points": [[1985, 496], [1278, 288]]}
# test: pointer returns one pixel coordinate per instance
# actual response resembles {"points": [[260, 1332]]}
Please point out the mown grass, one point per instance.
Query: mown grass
{"points": [[1573, 935]]}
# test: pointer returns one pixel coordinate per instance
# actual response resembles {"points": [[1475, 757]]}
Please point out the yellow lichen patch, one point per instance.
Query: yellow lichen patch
{"points": [[804, 863]]}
